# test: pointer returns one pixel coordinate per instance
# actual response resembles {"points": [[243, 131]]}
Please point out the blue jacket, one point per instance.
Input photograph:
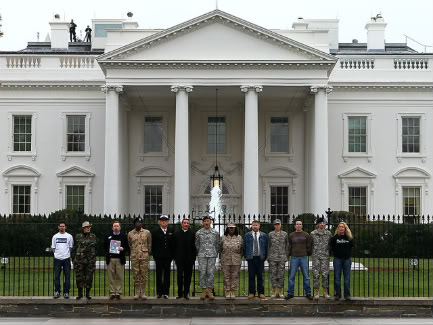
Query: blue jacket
{"points": [[249, 245]]}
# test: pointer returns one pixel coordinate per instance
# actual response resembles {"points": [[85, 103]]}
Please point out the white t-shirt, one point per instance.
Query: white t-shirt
{"points": [[62, 245]]}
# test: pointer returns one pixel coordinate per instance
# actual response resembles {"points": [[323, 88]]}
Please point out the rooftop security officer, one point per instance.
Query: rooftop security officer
{"points": [[72, 33]]}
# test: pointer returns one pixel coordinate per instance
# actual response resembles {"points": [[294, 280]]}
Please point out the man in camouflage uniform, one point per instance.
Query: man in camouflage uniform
{"points": [[278, 252], [140, 244], [207, 242], [320, 257], [85, 260]]}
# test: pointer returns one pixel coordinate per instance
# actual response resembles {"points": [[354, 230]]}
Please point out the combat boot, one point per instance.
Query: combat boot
{"points": [[80, 294], [279, 292], [326, 293], [137, 293], [210, 294], [233, 294], [228, 294], [88, 293], [274, 293], [316, 294], [203, 294]]}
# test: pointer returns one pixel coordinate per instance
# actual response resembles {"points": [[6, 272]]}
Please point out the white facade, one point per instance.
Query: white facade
{"points": [[306, 123]]}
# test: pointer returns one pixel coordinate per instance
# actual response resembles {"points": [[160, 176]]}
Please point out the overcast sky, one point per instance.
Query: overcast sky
{"points": [[22, 19]]}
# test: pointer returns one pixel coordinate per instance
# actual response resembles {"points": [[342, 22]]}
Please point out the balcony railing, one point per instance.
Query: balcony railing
{"points": [[23, 62], [356, 63], [410, 64]]}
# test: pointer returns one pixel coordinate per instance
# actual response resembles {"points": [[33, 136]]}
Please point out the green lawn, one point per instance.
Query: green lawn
{"points": [[386, 278]]}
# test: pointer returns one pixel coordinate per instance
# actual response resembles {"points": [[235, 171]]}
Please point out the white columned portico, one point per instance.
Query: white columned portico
{"points": [[181, 155], [319, 192], [251, 150], [113, 193]]}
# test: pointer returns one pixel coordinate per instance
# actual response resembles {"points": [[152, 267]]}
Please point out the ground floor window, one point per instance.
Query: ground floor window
{"points": [[21, 199], [358, 200], [75, 197], [153, 200], [411, 201], [279, 199]]}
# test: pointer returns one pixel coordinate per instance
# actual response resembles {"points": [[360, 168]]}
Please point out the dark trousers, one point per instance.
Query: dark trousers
{"points": [[66, 266], [162, 276], [256, 267], [345, 265], [184, 274]]}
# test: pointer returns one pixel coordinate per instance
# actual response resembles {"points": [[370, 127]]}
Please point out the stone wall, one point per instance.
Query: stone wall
{"points": [[241, 307]]}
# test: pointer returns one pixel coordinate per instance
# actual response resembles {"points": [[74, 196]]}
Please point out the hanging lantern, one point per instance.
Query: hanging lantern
{"points": [[216, 178]]}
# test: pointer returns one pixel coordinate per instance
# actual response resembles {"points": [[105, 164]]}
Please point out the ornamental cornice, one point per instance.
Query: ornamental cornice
{"points": [[315, 89], [178, 88], [52, 86], [117, 88], [382, 88], [267, 65], [257, 89]]}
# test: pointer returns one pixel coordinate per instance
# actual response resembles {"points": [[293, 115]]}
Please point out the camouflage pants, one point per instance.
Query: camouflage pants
{"points": [[320, 266], [206, 268], [84, 274], [276, 270], [231, 276], [140, 268]]}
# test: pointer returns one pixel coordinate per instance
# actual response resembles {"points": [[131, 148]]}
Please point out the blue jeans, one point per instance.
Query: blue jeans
{"points": [[345, 265], [295, 263], [58, 265], [256, 266]]}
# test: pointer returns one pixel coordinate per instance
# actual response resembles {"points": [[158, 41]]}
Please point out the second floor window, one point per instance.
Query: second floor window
{"points": [[216, 134], [153, 129], [279, 135], [76, 133], [410, 134], [357, 134], [22, 133]]}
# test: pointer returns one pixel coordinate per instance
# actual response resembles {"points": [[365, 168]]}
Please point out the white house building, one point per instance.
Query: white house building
{"points": [[300, 122]]}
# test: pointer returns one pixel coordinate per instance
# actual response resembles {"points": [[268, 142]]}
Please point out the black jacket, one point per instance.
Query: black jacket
{"points": [[124, 243], [184, 249], [162, 244]]}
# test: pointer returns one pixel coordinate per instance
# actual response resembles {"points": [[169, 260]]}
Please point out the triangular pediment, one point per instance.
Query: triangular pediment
{"points": [[21, 171], [216, 36], [412, 172], [357, 172], [280, 172], [75, 171]]}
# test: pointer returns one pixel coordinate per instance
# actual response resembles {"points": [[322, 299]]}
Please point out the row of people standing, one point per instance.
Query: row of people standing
{"points": [[184, 246]]}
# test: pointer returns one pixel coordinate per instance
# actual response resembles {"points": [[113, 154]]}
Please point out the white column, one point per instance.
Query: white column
{"points": [[251, 150], [113, 199], [181, 155], [319, 197]]}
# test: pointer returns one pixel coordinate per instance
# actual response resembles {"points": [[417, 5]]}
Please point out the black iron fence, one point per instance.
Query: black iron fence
{"points": [[392, 256]]}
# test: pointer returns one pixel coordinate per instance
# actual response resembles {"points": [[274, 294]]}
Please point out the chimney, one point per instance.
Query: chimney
{"points": [[376, 34], [59, 33], [129, 23], [300, 24]]}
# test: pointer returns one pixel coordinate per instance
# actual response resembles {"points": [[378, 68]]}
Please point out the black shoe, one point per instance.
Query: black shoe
{"points": [[186, 297], [112, 297], [288, 297], [159, 296], [337, 298], [66, 295], [80, 294], [348, 298], [118, 297], [179, 297], [56, 295], [88, 293], [309, 297]]}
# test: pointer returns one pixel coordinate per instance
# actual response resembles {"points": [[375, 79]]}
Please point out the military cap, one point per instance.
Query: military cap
{"points": [[163, 217], [231, 225], [86, 224], [277, 222], [138, 219]]}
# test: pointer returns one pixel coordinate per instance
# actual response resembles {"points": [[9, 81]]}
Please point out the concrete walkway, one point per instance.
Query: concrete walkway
{"points": [[219, 321]]}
